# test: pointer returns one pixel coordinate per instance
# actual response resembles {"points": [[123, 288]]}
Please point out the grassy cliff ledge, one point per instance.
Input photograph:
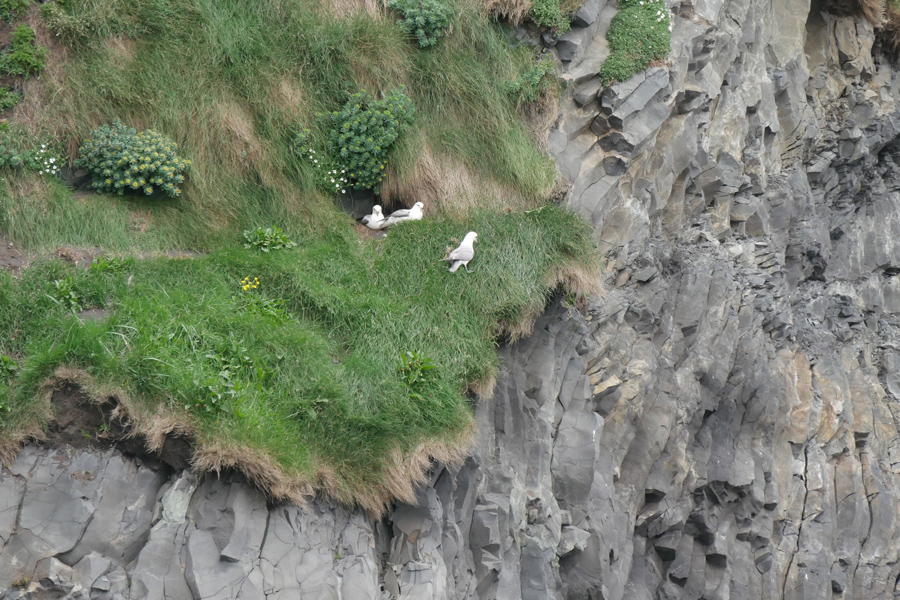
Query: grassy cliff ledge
{"points": [[339, 365]]}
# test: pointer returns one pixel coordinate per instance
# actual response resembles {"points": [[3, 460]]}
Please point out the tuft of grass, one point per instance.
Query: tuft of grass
{"points": [[303, 369], [638, 35], [549, 13]]}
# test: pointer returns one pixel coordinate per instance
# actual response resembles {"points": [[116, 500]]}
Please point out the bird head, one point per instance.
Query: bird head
{"points": [[376, 210], [471, 237], [418, 205]]}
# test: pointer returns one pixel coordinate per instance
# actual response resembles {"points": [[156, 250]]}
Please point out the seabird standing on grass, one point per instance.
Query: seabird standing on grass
{"points": [[463, 253]]}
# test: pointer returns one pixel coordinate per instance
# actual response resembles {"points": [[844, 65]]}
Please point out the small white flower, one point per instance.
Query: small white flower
{"points": [[315, 161], [52, 160], [43, 145], [332, 181]]}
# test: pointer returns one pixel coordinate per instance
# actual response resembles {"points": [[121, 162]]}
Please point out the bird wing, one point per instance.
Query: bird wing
{"points": [[462, 253], [403, 212], [366, 219]]}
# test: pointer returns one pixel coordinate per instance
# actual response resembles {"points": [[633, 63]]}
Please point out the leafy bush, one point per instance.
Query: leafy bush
{"points": [[119, 159], [639, 34], [533, 83], [427, 20], [10, 10], [363, 132], [8, 98], [548, 13], [23, 57], [270, 238]]}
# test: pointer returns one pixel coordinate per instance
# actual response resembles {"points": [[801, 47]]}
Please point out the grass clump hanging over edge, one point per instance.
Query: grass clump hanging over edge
{"points": [[333, 365]]}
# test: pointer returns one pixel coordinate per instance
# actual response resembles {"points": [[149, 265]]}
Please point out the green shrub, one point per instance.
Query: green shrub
{"points": [[121, 160], [270, 238], [533, 83], [363, 132], [10, 10], [427, 20], [23, 57], [8, 98], [639, 34], [548, 13]]}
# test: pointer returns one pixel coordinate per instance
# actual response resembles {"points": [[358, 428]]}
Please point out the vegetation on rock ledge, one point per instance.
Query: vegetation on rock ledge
{"points": [[282, 363]]}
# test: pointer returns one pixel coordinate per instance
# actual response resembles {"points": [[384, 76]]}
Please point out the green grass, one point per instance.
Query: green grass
{"points": [[303, 371], [317, 386], [232, 89], [638, 35]]}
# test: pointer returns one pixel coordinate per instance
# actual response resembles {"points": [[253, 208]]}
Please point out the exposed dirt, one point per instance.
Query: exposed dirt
{"points": [[80, 257], [11, 259], [82, 423]]}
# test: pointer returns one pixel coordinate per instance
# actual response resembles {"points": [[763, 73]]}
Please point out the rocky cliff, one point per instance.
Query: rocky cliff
{"points": [[720, 424]]}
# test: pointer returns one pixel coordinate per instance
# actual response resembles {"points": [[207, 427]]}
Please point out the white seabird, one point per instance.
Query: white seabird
{"points": [[376, 220], [463, 253], [407, 214]]}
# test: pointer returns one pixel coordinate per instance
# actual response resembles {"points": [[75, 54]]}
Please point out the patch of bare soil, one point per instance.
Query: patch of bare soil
{"points": [[83, 423], [11, 258]]}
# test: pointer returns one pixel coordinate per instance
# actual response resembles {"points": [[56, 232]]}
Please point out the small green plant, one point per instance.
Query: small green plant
{"points": [[103, 264], [21, 583], [426, 20], [10, 10], [533, 83], [43, 160], [548, 13], [363, 132], [8, 367], [270, 238], [329, 176], [417, 373], [119, 159], [639, 34], [9, 98], [228, 378], [64, 293], [23, 57]]}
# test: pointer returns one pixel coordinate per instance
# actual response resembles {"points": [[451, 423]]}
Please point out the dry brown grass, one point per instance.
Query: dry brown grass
{"points": [[541, 116], [445, 186], [876, 12], [513, 11], [404, 471], [890, 29], [349, 8]]}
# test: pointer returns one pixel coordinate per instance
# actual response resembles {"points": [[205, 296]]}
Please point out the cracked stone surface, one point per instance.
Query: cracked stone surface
{"points": [[723, 422]]}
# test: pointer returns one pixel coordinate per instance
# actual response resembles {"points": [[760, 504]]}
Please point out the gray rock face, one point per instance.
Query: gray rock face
{"points": [[721, 423]]}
